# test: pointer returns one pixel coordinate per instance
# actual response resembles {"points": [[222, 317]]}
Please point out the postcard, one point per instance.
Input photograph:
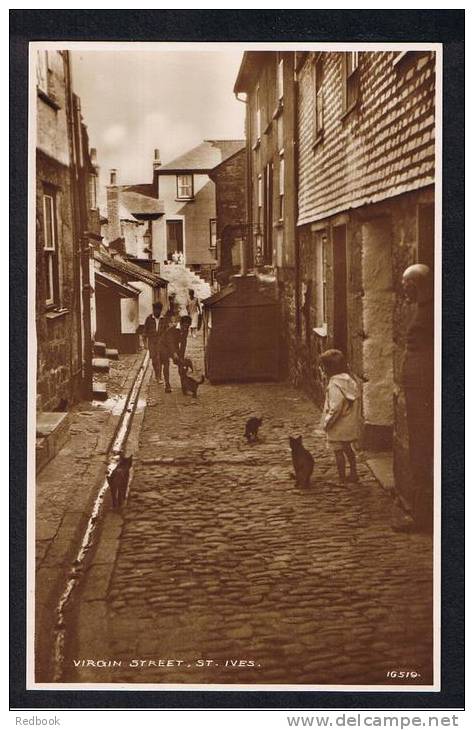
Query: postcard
{"points": [[235, 366]]}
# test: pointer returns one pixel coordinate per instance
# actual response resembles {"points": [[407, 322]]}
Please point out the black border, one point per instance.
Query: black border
{"points": [[442, 26]]}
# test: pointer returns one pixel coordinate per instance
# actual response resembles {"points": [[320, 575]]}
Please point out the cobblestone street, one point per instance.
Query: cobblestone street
{"points": [[222, 560]]}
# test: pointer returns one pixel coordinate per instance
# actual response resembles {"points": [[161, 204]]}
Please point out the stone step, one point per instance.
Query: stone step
{"points": [[52, 432], [112, 353], [100, 365], [100, 349], [99, 391]]}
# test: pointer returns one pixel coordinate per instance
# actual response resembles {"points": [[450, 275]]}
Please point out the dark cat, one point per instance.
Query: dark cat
{"points": [[118, 480], [251, 428], [188, 385], [303, 462]]}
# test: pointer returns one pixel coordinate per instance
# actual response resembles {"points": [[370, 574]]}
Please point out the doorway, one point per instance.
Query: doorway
{"points": [[340, 288], [174, 237]]}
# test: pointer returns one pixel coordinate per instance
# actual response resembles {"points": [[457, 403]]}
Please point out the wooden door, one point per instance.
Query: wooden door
{"points": [[174, 237]]}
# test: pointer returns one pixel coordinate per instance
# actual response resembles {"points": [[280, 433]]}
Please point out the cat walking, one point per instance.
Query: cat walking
{"points": [[251, 428], [118, 480], [303, 462]]}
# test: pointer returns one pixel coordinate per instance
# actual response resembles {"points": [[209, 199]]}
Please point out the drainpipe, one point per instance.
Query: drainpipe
{"points": [[296, 210], [86, 308], [76, 294], [248, 186]]}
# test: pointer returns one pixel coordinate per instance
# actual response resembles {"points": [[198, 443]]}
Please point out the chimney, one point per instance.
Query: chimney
{"points": [[156, 166], [113, 227]]}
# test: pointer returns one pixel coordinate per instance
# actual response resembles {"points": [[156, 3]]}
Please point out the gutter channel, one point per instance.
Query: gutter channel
{"points": [[90, 534]]}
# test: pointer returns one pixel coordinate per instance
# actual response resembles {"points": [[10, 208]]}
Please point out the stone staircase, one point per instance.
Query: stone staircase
{"points": [[181, 279], [101, 364]]}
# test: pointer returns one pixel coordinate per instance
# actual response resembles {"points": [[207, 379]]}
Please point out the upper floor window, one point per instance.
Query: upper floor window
{"points": [[92, 192], [212, 234], [281, 185], [318, 97], [280, 77], [185, 187], [42, 70], [50, 248], [259, 113], [259, 201], [350, 74], [45, 79]]}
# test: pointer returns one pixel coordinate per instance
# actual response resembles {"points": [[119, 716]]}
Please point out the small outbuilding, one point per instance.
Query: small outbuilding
{"points": [[241, 332]]}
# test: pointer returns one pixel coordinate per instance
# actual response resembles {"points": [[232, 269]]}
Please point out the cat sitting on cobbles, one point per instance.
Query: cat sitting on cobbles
{"points": [[303, 462]]}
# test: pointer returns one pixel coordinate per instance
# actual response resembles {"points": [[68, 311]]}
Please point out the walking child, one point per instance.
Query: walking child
{"points": [[341, 413]]}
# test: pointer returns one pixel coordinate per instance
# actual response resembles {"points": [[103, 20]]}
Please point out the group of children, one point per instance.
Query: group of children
{"points": [[341, 418]]}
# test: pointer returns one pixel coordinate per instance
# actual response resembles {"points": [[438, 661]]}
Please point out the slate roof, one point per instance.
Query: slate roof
{"points": [[140, 205], [130, 271], [204, 157]]}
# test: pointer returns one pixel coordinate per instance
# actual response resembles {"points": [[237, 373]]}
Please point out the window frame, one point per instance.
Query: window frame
{"points": [[320, 280], [42, 70], [318, 88], [259, 202], [258, 126], [178, 186], [351, 79], [92, 190], [280, 78], [213, 247], [281, 187], [50, 248]]}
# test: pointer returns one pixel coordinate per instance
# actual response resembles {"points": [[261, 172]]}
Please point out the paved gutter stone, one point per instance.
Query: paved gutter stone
{"points": [[65, 491], [221, 557]]}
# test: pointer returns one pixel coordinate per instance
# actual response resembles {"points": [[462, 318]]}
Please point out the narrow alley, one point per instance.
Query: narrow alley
{"points": [[220, 570]]}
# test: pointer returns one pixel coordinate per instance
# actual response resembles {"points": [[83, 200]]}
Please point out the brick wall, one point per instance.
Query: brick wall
{"points": [[383, 148]]}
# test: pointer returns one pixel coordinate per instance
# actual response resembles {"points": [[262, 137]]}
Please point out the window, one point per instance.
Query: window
{"points": [[42, 71], [45, 79], [185, 186], [281, 185], [259, 114], [92, 192], [320, 291], [212, 233], [318, 98], [259, 201], [350, 68], [50, 249], [280, 77]]}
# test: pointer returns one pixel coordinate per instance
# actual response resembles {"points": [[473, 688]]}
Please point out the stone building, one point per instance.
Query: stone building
{"points": [[188, 225], [340, 174], [131, 226], [66, 212], [229, 178], [267, 79], [366, 168]]}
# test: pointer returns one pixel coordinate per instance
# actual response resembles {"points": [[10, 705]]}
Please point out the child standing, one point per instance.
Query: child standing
{"points": [[341, 413]]}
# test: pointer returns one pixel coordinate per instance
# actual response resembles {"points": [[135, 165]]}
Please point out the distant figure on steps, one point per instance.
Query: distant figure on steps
{"points": [[194, 310]]}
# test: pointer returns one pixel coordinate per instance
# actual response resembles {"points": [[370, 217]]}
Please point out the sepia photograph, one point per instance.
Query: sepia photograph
{"points": [[234, 383]]}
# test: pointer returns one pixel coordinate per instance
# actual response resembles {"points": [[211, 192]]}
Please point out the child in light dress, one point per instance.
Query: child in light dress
{"points": [[341, 413]]}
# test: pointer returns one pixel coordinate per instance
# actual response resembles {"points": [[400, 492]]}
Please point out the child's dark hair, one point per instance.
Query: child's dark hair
{"points": [[333, 362]]}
